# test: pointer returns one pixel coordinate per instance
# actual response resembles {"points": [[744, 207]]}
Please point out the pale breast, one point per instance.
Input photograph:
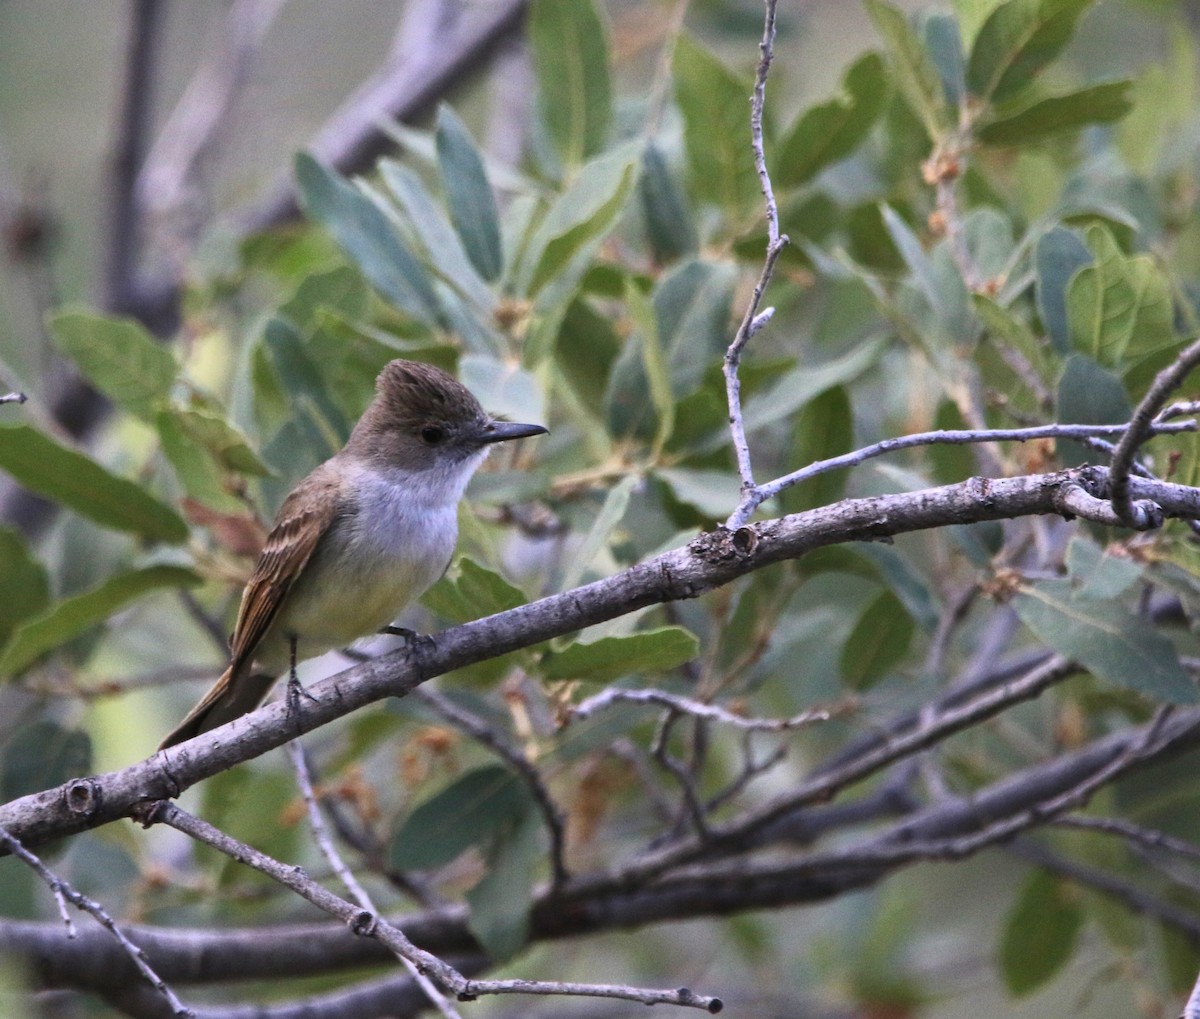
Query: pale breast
{"points": [[384, 551]]}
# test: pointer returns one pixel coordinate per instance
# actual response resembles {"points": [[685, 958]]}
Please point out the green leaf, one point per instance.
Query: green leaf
{"points": [[1105, 638], [500, 902], [1017, 41], [824, 429], [466, 813], [830, 131], [469, 195], [118, 357], [24, 583], [504, 388], [195, 468], [714, 102], [73, 616], [304, 381], [714, 494], [432, 229], [1088, 395], [1003, 326], [1117, 300], [1100, 104], [564, 243], [943, 43], [669, 221], [1040, 934], [341, 290], [40, 464], [915, 74], [474, 593], [609, 658], [802, 383], [41, 755], [878, 642], [971, 16], [612, 512], [1060, 254], [216, 434], [654, 363], [586, 350], [570, 57], [363, 231], [1098, 574]]}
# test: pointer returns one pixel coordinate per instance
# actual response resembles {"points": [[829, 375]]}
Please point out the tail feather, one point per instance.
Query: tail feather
{"points": [[230, 697]]}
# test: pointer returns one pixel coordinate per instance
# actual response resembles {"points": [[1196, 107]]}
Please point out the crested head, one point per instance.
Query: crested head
{"points": [[412, 394], [423, 417]]}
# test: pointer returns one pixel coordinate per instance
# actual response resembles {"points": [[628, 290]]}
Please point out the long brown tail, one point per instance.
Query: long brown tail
{"points": [[230, 697]]}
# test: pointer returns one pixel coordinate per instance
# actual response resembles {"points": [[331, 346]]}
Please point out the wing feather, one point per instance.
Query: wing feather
{"points": [[299, 525]]}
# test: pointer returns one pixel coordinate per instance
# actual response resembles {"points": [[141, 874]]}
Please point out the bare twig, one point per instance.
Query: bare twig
{"points": [[346, 876], [1140, 429], [753, 320], [366, 923], [698, 709], [1083, 434], [65, 892], [485, 734], [13, 398]]}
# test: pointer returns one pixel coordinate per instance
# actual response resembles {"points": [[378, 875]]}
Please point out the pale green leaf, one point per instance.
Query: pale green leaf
{"points": [[40, 464], [1019, 38], [368, 238], [716, 132], [469, 195], [118, 357], [74, 616], [830, 131], [912, 67], [1106, 639], [570, 56], [609, 658]]}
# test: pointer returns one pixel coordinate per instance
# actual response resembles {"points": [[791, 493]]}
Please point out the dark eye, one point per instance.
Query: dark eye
{"points": [[432, 434]]}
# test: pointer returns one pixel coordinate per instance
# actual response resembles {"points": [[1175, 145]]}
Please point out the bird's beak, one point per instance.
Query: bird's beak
{"points": [[502, 431]]}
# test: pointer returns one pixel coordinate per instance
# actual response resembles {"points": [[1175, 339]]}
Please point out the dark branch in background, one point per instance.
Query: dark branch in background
{"points": [[949, 828], [351, 140], [125, 224]]}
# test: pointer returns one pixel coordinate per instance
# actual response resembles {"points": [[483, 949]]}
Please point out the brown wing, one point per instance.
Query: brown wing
{"points": [[301, 521]]}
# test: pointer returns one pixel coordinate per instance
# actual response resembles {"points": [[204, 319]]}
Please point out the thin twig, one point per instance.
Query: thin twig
{"points": [[64, 891], [697, 709], [693, 804], [346, 876], [481, 732], [366, 923], [13, 398], [1073, 432], [1150, 838], [1141, 428], [753, 320]]}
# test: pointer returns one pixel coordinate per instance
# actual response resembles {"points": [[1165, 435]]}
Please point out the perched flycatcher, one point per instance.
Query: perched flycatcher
{"points": [[360, 538]]}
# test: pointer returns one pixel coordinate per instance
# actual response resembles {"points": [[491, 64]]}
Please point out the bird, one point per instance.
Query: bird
{"points": [[361, 537]]}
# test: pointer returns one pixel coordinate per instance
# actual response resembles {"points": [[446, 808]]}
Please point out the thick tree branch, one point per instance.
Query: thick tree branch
{"points": [[709, 561]]}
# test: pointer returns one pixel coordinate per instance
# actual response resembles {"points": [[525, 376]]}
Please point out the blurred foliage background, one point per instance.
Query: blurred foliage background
{"points": [[993, 214]]}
